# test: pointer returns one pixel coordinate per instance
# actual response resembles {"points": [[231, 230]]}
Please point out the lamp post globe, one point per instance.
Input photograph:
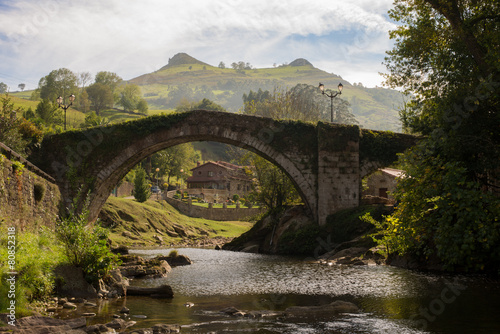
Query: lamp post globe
{"points": [[331, 95]]}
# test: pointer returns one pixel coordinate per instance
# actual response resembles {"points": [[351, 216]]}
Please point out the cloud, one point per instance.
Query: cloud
{"points": [[131, 37]]}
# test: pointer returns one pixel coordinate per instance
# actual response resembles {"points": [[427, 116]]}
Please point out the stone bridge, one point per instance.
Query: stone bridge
{"points": [[325, 161]]}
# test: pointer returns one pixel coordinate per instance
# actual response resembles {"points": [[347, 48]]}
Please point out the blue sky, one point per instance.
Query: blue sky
{"points": [[133, 37]]}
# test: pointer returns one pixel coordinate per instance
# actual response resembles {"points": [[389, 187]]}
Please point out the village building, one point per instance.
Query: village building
{"points": [[217, 181], [382, 183]]}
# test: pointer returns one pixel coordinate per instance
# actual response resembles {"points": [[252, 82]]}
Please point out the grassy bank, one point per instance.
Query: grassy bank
{"points": [[144, 221]]}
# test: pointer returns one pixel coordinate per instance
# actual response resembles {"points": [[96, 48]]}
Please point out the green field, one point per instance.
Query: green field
{"points": [[144, 220]]}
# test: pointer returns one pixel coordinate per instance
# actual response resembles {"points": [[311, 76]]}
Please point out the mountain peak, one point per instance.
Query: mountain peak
{"points": [[183, 59], [300, 62]]}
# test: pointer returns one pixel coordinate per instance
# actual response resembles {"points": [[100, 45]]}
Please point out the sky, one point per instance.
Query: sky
{"points": [[131, 37]]}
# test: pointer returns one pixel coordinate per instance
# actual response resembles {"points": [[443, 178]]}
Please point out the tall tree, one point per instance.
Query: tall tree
{"points": [[21, 86], [446, 57], [130, 97], [83, 79], [100, 96], [302, 102], [61, 82], [3, 88], [49, 113], [110, 79], [141, 187]]}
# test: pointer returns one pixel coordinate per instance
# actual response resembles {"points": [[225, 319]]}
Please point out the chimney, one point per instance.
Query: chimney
{"points": [[197, 164]]}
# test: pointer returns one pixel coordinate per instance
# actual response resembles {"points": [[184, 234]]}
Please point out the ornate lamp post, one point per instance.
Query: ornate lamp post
{"points": [[331, 95], [60, 101]]}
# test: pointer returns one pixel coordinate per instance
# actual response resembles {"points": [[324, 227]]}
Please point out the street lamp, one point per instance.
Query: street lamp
{"points": [[331, 95], [60, 101]]}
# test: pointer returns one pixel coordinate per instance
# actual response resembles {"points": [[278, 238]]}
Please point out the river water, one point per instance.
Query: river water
{"points": [[391, 300]]}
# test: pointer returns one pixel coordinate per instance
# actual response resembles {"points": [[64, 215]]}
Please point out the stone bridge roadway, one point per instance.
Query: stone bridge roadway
{"points": [[325, 161]]}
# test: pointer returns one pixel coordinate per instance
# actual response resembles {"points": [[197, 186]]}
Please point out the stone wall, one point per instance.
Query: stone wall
{"points": [[27, 199], [221, 214]]}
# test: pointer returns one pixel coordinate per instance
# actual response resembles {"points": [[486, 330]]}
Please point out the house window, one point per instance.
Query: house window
{"points": [[210, 173], [239, 186], [199, 172]]}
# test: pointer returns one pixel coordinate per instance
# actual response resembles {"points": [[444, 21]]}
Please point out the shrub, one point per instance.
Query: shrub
{"points": [[38, 191], [36, 256], [173, 253], [85, 245]]}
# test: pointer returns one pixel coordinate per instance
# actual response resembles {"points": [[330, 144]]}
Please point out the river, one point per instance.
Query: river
{"points": [[391, 300]]}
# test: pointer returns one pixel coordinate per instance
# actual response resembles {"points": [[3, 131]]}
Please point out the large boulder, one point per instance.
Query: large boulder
{"points": [[70, 281], [154, 268], [175, 261], [47, 325], [163, 291]]}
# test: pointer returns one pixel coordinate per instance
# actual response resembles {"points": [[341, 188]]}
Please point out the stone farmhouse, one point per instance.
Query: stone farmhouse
{"points": [[217, 181], [382, 182]]}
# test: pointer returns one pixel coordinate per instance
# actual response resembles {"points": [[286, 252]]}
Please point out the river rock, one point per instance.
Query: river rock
{"points": [[125, 310], [99, 329], [47, 325], [335, 308], [164, 328], [69, 305], [121, 250], [70, 281], [163, 291], [175, 261], [117, 324], [230, 310]]}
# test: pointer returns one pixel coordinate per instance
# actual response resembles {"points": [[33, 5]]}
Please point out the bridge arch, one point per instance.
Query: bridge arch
{"points": [[118, 167], [324, 161]]}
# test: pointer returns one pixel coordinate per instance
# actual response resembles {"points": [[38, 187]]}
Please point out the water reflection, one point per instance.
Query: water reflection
{"points": [[391, 300]]}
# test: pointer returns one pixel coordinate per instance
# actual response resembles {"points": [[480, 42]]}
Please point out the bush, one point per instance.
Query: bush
{"points": [[173, 253], [85, 245]]}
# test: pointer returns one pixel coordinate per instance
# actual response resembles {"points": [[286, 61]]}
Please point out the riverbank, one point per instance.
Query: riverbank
{"points": [[158, 224]]}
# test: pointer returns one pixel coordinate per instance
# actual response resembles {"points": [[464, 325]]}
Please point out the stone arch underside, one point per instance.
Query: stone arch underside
{"points": [[118, 167]]}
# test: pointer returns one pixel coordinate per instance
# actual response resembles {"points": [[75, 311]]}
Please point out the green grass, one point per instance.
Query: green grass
{"points": [[144, 219]]}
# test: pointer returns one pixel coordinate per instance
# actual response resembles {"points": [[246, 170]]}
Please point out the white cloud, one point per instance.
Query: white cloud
{"points": [[131, 37]]}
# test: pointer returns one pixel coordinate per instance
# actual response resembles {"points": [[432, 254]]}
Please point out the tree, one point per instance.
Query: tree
{"points": [[445, 56], [100, 96], [61, 82], [9, 126], [274, 188], [142, 106], [21, 86], [302, 102], [3, 88], [130, 97], [222, 65], [83, 78], [172, 160], [84, 102], [141, 187], [49, 113], [110, 79]]}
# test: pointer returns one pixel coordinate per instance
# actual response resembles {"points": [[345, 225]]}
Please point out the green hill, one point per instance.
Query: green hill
{"points": [[187, 77]]}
